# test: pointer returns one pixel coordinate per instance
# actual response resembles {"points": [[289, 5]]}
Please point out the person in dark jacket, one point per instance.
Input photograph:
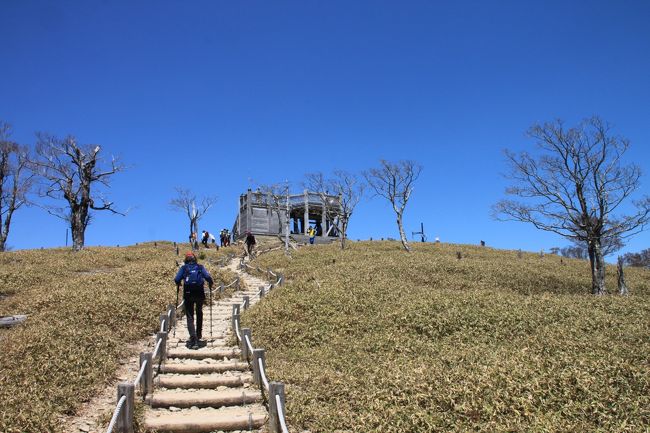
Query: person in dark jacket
{"points": [[193, 276], [249, 245]]}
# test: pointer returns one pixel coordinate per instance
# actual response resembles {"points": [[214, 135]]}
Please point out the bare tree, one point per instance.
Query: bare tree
{"points": [[275, 196], [72, 172], [347, 188], [15, 180], [185, 201], [575, 187], [394, 182]]}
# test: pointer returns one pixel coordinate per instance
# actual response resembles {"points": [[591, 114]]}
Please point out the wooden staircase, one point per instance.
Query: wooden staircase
{"points": [[209, 389]]}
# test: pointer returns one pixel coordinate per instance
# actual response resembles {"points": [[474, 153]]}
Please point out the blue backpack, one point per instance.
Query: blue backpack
{"points": [[193, 276]]}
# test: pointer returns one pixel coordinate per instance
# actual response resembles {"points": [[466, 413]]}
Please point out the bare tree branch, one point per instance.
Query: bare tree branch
{"points": [[394, 182], [71, 172], [186, 202], [16, 180], [348, 190]]}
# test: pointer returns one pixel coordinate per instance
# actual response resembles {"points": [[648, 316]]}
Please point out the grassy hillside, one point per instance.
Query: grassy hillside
{"points": [[83, 309], [373, 340]]}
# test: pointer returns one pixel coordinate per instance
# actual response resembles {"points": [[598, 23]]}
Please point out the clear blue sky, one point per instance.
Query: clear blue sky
{"points": [[217, 96]]}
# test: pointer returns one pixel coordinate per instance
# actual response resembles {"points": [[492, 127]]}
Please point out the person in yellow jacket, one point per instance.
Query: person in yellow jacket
{"points": [[312, 234]]}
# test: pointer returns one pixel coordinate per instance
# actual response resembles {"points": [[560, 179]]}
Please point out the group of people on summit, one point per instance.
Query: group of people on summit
{"points": [[208, 239]]}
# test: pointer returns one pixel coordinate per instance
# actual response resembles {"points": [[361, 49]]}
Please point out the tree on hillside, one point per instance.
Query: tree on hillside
{"points": [[575, 188], [185, 201], [73, 173], [15, 180], [394, 182], [349, 190]]}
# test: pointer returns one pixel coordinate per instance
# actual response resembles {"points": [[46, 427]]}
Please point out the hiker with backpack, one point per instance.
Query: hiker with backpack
{"points": [[193, 276], [249, 245]]}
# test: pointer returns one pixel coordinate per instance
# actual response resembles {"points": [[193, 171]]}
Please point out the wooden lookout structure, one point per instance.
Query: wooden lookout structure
{"points": [[263, 214]]}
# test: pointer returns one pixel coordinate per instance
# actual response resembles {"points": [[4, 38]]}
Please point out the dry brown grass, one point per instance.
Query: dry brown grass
{"points": [[83, 309], [375, 340]]}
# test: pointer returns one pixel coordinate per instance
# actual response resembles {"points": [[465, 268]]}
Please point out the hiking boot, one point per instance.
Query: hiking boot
{"points": [[195, 344]]}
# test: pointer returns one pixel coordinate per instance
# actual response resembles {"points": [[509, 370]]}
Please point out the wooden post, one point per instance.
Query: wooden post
{"points": [[305, 225], [249, 210], [147, 377], [323, 222], [243, 346], [269, 211], [281, 279], [163, 346], [275, 388], [237, 285], [239, 216], [246, 302], [125, 419], [257, 374], [235, 321], [221, 289], [261, 292], [163, 319], [172, 316]]}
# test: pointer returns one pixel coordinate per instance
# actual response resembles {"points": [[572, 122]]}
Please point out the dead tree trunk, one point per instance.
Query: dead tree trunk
{"points": [[622, 287], [402, 234], [597, 263], [78, 224]]}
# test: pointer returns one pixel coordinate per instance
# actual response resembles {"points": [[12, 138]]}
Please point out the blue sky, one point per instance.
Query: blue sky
{"points": [[218, 96]]}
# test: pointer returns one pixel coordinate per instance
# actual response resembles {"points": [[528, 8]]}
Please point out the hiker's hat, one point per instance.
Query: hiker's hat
{"points": [[190, 256]]}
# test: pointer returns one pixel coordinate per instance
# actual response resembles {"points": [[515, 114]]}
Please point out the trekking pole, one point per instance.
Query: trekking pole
{"points": [[175, 307], [211, 339]]}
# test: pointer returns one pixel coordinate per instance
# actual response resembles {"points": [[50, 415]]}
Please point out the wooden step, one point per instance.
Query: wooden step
{"points": [[199, 368], [204, 353], [203, 381], [204, 398], [205, 420]]}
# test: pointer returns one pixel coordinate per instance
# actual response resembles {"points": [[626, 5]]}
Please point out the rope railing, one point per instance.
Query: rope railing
{"points": [[123, 414], [118, 409], [275, 390], [138, 378], [158, 346], [280, 407], [265, 380], [249, 344]]}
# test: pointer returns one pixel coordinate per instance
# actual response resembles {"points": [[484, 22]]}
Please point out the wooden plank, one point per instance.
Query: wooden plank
{"points": [[9, 321]]}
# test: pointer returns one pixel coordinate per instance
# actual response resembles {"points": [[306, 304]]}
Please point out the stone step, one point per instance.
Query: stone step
{"points": [[203, 381], [200, 368], [204, 398], [206, 420], [204, 353]]}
